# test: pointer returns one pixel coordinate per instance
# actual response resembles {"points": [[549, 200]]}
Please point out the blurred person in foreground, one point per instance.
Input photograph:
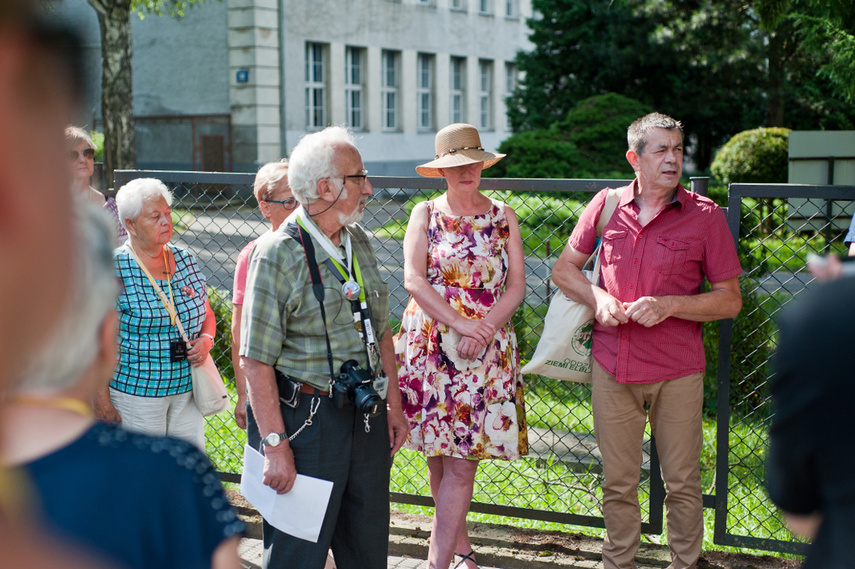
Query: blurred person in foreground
{"points": [[811, 466], [140, 501], [40, 67], [81, 154], [276, 203], [152, 390], [659, 246], [460, 378], [298, 349]]}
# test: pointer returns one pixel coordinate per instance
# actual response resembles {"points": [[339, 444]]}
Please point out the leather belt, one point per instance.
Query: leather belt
{"points": [[312, 390]]}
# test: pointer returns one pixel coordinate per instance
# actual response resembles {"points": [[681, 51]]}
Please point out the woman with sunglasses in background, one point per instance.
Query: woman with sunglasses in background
{"points": [[276, 203], [81, 154]]}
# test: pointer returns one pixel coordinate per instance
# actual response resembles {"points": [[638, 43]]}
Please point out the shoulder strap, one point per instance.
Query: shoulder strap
{"points": [[612, 200], [302, 236], [169, 308]]}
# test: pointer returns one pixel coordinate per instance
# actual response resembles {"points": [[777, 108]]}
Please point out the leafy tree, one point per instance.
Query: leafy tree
{"points": [[117, 104], [589, 142], [717, 65]]}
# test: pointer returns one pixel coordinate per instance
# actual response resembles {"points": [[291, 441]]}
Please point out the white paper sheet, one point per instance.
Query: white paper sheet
{"points": [[300, 512]]}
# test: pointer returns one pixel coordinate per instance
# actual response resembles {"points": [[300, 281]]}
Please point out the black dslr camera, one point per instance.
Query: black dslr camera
{"points": [[355, 385]]}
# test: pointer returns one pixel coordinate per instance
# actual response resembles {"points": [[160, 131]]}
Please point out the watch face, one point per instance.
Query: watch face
{"points": [[272, 439]]}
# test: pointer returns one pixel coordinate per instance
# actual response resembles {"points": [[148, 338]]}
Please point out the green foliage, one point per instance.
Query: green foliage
{"points": [[753, 341], [589, 142], [221, 304], [535, 154], [98, 140], [758, 156], [174, 8]]}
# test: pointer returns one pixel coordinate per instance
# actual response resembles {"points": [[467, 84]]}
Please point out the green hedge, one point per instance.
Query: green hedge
{"points": [[754, 156]]}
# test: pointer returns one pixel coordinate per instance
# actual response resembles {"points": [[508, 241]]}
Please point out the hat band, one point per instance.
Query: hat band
{"points": [[453, 150]]}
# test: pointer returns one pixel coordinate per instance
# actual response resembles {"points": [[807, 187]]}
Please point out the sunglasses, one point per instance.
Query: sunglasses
{"points": [[88, 153]]}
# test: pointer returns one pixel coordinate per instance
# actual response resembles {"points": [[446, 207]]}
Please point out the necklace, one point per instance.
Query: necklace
{"points": [[66, 403]]}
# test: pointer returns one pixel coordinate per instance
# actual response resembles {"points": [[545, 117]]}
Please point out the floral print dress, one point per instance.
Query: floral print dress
{"points": [[465, 409]]}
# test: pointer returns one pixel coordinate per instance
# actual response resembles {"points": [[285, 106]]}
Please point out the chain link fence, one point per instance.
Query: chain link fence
{"points": [[560, 479]]}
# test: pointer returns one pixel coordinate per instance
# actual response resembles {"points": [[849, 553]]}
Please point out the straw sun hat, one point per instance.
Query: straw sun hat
{"points": [[457, 145]]}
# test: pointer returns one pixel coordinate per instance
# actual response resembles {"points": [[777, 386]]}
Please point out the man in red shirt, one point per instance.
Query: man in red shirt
{"points": [[658, 247]]}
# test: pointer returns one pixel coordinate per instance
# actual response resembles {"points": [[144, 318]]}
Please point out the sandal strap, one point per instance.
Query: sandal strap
{"points": [[464, 558]]}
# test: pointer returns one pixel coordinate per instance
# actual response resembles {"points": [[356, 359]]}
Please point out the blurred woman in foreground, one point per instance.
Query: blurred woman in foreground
{"points": [[139, 501]]}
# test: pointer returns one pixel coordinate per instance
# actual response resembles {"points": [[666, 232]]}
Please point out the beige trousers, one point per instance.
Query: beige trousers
{"points": [[620, 413]]}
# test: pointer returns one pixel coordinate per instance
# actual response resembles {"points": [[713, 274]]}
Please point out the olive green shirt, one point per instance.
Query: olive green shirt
{"points": [[281, 324]]}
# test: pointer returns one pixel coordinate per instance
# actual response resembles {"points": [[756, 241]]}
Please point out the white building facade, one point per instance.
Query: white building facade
{"points": [[236, 83]]}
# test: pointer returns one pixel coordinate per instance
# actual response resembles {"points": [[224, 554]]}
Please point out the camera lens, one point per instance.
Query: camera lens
{"points": [[367, 400]]}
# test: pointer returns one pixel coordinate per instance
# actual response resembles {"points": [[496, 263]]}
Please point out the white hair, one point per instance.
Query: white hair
{"points": [[71, 348], [131, 197], [313, 159], [267, 179]]}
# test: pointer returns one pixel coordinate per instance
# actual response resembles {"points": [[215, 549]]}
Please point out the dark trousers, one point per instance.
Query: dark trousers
{"points": [[336, 448]]}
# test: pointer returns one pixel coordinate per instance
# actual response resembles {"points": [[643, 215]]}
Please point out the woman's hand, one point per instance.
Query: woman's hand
{"points": [[198, 350], [470, 348], [479, 330]]}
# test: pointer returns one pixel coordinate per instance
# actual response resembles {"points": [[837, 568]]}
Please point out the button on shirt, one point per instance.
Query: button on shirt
{"points": [[687, 241], [282, 325]]}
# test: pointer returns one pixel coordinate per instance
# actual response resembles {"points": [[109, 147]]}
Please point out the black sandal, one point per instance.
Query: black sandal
{"points": [[464, 558]]}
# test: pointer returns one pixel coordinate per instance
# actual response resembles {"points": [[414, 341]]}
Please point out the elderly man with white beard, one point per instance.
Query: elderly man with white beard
{"points": [[316, 348]]}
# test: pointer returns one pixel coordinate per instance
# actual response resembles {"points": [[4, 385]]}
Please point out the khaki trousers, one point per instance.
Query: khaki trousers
{"points": [[620, 412]]}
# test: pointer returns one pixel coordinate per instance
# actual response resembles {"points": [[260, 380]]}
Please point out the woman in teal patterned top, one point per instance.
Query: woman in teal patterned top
{"points": [[151, 391]]}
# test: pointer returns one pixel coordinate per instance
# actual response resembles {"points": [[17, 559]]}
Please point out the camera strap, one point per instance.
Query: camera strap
{"points": [[301, 235]]}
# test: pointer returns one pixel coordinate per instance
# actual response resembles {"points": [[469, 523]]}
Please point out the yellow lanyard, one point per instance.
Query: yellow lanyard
{"points": [[170, 308]]}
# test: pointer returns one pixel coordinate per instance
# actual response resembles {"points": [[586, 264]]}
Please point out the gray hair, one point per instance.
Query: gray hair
{"points": [[313, 159], [71, 348], [636, 135], [268, 178], [131, 196], [75, 135]]}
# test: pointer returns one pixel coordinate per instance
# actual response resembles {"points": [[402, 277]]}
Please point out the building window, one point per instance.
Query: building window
{"points": [[424, 91], [485, 93], [458, 4], [458, 89], [353, 86], [315, 86], [389, 89], [510, 87], [485, 6], [511, 9]]}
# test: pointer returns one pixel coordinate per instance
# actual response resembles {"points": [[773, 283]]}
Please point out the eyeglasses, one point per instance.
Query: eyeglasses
{"points": [[289, 203], [89, 153], [360, 178]]}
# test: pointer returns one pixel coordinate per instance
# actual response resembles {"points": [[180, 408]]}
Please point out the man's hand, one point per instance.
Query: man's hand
{"points": [[240, 411], [609, 310], [398, 427], [648, 310], [279, 470]]}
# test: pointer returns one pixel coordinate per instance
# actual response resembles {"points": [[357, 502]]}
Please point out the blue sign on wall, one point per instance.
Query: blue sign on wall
{"points": [[242, 76]]}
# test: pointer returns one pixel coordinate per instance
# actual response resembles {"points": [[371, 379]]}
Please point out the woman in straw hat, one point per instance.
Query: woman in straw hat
{"points": [[457, 351]]}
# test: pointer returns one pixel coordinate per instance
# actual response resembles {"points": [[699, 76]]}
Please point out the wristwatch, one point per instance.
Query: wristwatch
{"points": [[273, 439]]}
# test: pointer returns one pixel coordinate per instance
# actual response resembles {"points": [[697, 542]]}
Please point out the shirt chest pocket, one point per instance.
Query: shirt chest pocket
{"points": [[613, 245], [672, 255]]}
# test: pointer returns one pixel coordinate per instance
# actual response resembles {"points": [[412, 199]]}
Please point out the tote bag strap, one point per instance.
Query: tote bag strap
{"points": [[612, 200], [169, 308]]}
